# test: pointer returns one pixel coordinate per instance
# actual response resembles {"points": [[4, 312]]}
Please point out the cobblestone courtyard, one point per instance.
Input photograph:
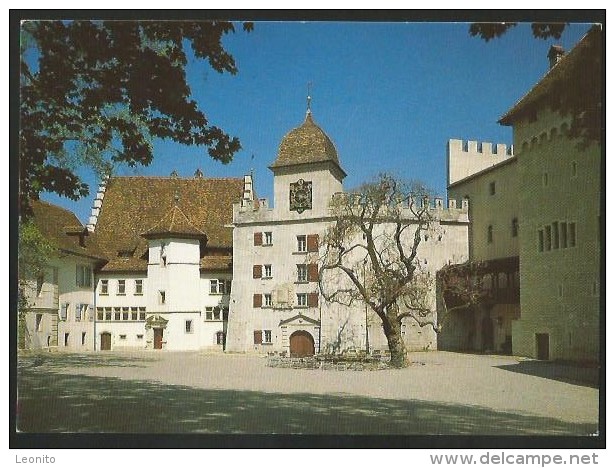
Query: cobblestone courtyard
{"points": [[194, 392]]}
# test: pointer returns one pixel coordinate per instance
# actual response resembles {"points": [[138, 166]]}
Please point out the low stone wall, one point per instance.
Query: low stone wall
{"points": [[332, 363]]}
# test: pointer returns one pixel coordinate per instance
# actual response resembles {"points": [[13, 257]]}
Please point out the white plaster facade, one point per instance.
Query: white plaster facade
{"points": [[275, 291], [61, 314], [189, 296]]}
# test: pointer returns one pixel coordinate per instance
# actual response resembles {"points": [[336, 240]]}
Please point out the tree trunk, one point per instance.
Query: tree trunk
{"points": [[21, 331], [397, 347]]}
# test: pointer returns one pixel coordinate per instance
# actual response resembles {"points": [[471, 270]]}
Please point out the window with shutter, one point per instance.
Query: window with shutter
{"points": [[301, 244], [257, 300], [313, 300], [312, 272], [257, 271], [268, 238], [258, 238], [258, 336], [302, 273], [312, 243], [268, 300], [302, 300]]}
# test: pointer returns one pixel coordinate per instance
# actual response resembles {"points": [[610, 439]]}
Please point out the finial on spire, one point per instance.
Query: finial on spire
{"points": [[309, 97]]}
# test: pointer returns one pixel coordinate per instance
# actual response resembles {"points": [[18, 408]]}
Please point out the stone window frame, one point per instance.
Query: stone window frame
{"points": [[267, 300], [267, 238], [302, 273], [302, 300], [302, 243]]}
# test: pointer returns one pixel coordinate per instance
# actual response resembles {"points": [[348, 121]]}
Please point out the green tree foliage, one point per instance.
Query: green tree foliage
{"points": [[33, 257], [488, 31], [96, 93], [579, 92]]}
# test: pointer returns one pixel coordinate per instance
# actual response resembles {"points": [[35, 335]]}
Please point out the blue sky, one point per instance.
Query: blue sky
{"points": [[389, 95]]}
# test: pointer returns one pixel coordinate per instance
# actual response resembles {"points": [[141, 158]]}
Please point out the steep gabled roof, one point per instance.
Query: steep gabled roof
{"points": [[62, 228], [133, 206]]}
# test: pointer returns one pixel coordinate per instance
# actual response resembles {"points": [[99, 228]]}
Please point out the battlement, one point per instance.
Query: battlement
{"points": [[436, 206], [466, 157], [258, 211], [252, 210]]}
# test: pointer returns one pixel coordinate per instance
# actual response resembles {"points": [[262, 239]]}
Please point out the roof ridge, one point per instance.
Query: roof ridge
{"points": [[177, 178], [169, 223], [566, 57], [176, 209]]}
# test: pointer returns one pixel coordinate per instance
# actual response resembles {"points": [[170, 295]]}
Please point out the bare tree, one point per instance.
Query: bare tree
{"points": [[370, 255]]}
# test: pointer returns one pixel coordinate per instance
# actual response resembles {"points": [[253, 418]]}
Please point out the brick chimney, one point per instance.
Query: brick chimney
{"points": [[556, 52]]}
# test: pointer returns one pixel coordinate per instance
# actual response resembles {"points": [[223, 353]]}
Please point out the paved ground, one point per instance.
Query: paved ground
{"points": [[447, 393]]}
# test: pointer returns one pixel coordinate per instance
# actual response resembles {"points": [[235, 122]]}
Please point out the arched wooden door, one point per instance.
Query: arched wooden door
{"points": [[301, 344], [105, 341]]}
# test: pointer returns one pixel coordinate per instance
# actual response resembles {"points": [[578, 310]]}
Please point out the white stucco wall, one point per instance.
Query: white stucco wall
{"points": [[340, 326], [53, 294], [324, 186], [187, 294]]}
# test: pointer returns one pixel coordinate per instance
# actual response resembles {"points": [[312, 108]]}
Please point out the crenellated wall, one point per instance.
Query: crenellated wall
{"points": [[249, 211], [466, 157]]}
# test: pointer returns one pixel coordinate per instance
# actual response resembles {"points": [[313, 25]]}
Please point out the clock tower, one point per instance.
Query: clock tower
{"points": [[306, 172]]}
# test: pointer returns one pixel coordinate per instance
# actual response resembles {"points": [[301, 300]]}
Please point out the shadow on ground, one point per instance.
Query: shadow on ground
{"points": [[50, 361], [54, 402], [587, 376]]}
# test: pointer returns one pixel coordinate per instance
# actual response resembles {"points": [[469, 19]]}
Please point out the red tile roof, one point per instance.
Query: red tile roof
{"points": [[174, 224], [62, 228], [135, 205]]}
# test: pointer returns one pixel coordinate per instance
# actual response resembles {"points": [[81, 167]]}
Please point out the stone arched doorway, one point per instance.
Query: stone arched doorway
{"points": [[301, 344]]}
